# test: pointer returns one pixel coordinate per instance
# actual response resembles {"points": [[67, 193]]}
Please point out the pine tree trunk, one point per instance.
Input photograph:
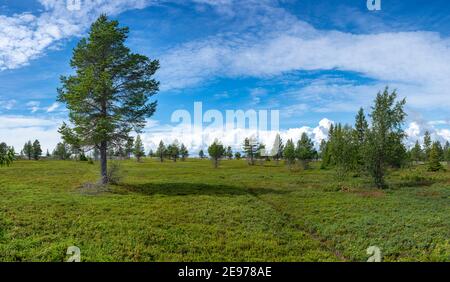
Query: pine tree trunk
{"points": [[103, 161]]}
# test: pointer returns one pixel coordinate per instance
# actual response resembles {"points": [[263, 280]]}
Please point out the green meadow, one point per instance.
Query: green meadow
{"points": [[189, 211]]}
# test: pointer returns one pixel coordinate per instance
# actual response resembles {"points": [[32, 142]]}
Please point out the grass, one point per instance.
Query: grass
{"points": [[189, 211]]}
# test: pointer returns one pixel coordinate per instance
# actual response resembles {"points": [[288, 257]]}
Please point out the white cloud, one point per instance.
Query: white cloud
{"points": [[413, 62], [16, 130], [195, 141], [33, 106], [26, 36], [53, 107], [416, 131], [7, 104]]}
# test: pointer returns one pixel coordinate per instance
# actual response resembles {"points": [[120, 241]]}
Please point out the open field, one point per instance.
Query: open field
{"points": [[189, 211]]}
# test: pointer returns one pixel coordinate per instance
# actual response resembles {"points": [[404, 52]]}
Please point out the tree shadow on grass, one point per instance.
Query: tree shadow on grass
{"points": [[180, 189]]}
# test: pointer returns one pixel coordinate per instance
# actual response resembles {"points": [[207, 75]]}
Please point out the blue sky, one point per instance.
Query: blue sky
{"points": [[315, 61]]}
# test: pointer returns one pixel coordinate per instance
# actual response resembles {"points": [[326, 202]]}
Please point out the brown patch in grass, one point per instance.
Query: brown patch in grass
{"points": [[371, 194], [429, 194]]}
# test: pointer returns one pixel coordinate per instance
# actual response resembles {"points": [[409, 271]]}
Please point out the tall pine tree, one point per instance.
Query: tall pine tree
{"points": [[108, 96]]}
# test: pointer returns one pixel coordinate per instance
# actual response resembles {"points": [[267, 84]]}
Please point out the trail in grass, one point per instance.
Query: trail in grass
{"points": [[287, 218]]}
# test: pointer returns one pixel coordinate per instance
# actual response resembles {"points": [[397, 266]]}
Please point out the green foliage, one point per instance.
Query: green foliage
{"points": [[173, 151], [237, 155], [36, 150], [360, 132], [277, 148], [83, 157], [289, 152], [384, 138], [216, 151], [108, 96], [260, 151], [7, 155], [416, 154], [305, 151], [201, 154], [62, 151], [115, 173], [229, 153], [325, 149], [184, 152], [343, 150], [434, 158], [236, 213], [138, 150], [250, 148], [28, 150], [129, 147], [161, 152], [439, 150], [427, 145], [446, 152]]}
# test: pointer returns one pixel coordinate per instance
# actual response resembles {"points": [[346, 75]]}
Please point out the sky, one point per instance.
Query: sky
{"points": [[312, 62]]}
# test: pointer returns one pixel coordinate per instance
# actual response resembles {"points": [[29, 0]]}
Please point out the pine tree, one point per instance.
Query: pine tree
{"points": [[440, 150], [434, 161], [260, 153], [184, 152], [161, 151], [289, 153], [229, 153], [173, 150], [361, 127], [201, 154], [108, 96], [342, 149], [216, 151], [62, 151], [129, 148], [427, 145], [277, 149], [416, 152], [447, 152], [37, 150], [28, 150], [326, 149], [305, 151], [237, 155], [151, 154], [250, 148], [138, 151]]}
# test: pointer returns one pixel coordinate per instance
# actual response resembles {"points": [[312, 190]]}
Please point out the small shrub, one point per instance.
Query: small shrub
{"points": [[114, 173], [410, 180]]}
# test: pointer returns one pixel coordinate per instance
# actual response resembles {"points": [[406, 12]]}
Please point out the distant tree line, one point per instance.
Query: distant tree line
{"points": [[173, 152], [363, 149]]}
